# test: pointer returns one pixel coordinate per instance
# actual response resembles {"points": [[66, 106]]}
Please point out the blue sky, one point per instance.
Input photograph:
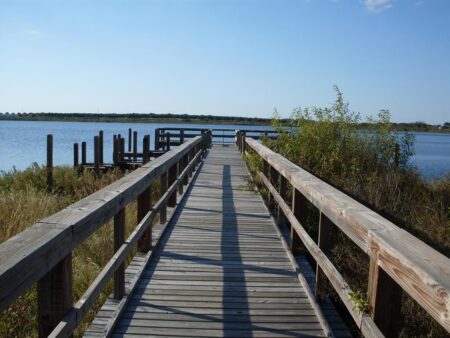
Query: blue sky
{"points": [[226, 57]]}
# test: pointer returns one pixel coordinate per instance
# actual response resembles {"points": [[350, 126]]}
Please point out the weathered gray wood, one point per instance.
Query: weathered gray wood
{"points": [[75, 155], [420, 270], [299, 211], [234, 280], [100, 145], [49, 162], [385, 297], [324, 243], [96, 155], [119, 238], [171, 177], [144, 204], [83, 153], [135, 144], [54, 292], [26, 257], [163, 183]]}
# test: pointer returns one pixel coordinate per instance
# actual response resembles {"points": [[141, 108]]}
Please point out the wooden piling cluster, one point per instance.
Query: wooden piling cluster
{"points": [[125, 153]]}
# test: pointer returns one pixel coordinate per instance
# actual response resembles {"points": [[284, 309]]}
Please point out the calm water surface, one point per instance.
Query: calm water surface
{"points": [[24, 142]]}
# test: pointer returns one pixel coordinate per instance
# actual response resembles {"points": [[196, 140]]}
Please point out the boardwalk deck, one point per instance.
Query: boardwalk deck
{"points": [[221, 269]]}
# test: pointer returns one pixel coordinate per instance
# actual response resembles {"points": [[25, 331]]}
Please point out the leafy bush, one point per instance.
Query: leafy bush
{"points": [[373, 166]]}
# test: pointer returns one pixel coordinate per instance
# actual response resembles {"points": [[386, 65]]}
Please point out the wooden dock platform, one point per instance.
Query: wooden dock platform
{"points": [[223, 260], [221, 270]]}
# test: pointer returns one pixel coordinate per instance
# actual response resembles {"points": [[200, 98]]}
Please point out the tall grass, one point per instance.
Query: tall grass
{"points": [[23, 201], [328, 143]]}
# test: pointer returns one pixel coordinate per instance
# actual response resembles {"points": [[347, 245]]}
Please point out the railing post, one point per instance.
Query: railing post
{"points": [[55, 298], [162, 191], [144, 203], [145, 149], [185, 164], [135, 145], [324, 242], [282, 191], [157, 139], [299, 209], [119, 239], [181, 136], [172, 176], [49, 162], [385, 297], [83, 152], [75, 155]]}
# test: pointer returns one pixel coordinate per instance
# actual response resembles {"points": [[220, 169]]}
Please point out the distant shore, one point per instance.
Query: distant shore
{"points": [[191, 119]]}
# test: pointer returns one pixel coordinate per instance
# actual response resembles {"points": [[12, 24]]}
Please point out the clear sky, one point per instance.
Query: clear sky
{"points": [[226, 57]]}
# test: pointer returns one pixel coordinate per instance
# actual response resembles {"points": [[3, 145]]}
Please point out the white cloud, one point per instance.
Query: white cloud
{"points": [[33, 32], [377, 6]]}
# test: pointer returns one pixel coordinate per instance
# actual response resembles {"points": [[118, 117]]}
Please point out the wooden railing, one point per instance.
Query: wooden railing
{"points": [[167, 137], [43, 252], [398, 260]]}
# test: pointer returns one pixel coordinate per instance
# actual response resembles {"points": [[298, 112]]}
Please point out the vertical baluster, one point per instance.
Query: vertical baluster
{"points": [[172, 176], [324, 242], [299, 204], [144, 204], [119, 239], [163, 189], [54, 292]]}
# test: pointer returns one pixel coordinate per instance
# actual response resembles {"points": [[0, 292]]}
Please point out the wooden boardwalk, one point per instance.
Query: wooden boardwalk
{"points": [[222, 269]]}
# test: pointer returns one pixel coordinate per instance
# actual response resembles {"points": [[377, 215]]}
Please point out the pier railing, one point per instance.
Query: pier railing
{"points": [[167, 137], [43, 252], [398, 260]]}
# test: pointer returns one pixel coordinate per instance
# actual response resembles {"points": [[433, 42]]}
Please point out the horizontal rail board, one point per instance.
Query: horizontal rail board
{"points": [[28, 256], [420, 270]]}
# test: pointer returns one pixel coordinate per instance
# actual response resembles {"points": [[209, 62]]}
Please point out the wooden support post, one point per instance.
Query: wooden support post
{"points": [[54, 293], [83, 152], [181, 136], [324, 243], [144, 204], [185, 160], [282, 190], [129, 140], [96, 155], [49, 162], [115, 151], [299, 203], [172, 176], [167, 141], [119, 239], [157, 139], [385, 297], [135, 145], [100, 144], [162, 191], [122, 150], [145, 149], [181, 165], [75, 155]]}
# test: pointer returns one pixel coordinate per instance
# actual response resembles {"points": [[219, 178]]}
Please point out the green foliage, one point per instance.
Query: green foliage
{"points": [[361, 301], [367, 165]]}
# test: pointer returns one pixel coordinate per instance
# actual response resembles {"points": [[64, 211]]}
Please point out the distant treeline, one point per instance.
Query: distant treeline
{"points": [[188, 118], [134, 117]]}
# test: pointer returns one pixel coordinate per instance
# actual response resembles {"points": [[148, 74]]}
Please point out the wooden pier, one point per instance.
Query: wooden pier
{"points": [[218, 264]]}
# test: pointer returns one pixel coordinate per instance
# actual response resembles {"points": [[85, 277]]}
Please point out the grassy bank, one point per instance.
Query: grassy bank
{"points": [[24, 201], [328, 143]]}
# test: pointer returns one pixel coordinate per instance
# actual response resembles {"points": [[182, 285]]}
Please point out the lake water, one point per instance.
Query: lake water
{"points": [[24, 142]]}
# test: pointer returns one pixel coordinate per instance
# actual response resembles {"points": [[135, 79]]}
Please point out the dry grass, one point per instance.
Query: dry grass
{"points": [[24, 201]]}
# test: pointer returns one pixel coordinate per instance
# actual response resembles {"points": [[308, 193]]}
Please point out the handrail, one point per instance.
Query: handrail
{"points": [[397, 258], [42, 253]]}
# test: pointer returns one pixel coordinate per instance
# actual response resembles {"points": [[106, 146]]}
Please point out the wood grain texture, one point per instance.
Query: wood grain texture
{"points": [[420, 270], [222, 270]]}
